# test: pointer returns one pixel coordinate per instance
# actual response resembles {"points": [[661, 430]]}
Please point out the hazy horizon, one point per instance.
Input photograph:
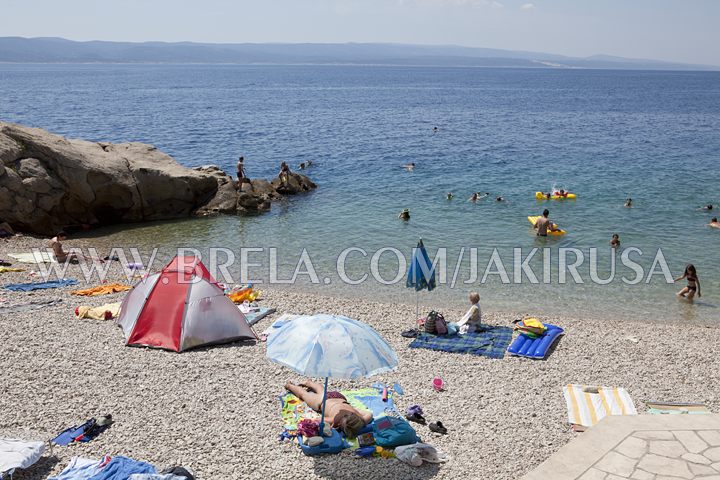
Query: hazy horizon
{"points": [[666, 30]]}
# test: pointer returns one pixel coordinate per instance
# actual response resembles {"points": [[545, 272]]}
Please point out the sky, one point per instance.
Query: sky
{"points": [[675, 30]]}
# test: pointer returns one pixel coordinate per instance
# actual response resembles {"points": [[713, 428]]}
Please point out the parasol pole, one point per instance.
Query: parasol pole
{"points": [[322, 419]]}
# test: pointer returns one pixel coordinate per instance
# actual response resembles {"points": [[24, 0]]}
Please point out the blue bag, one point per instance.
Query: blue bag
{"points": [[391, 432]]}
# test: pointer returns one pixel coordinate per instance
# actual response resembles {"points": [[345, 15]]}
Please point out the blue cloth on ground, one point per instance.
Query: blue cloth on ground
{"points": [[69, 435], [376, 405], [28, 287], [79, 469], [155, 476], [489, 342], [526, 346], [120, 468]]}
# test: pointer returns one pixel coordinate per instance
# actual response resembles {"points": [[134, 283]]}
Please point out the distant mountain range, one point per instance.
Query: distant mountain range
{"points": [[59, 50]]}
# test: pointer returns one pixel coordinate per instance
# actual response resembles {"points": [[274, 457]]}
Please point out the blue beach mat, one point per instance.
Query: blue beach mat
{"points": [[537, 348], [490, 342], [28, 287]]}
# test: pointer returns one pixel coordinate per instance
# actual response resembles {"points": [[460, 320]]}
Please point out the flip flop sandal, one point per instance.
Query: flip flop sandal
{"points": [[438, 427], [412, 333], [417, 418]]}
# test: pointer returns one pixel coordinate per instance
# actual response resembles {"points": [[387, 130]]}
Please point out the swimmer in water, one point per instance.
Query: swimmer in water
{"points": [[449, 196], [435, 129], [708, 207], [474, 197], [628, 203], [409, 166], [714, 223], [615, 242], [499, 199], [404, 215]]}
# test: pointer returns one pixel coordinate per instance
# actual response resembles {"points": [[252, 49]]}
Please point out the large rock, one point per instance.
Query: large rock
{"points": [[48, 182], [297, 183]]}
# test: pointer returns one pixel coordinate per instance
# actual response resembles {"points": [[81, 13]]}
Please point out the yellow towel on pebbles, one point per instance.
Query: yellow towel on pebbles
{"points": [[10, 269], [588, 405], [98, 313], [102, 290], [32, 257]]}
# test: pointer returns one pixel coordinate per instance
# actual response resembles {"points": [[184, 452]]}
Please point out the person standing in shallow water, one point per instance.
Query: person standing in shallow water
{"points": [[693, 283]]}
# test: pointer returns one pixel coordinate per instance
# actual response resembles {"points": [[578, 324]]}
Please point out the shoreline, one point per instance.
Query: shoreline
{"points": [[216, 410], [105, 239]]}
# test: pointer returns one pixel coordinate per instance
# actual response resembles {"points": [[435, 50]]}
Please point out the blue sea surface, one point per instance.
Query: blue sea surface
{"points": [[607, 135]]}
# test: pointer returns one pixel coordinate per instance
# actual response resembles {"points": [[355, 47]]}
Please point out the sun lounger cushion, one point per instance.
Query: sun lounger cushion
{"points": [[490, 342], [15, 453]]}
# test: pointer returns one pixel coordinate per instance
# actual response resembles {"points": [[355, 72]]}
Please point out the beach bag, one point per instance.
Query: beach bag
{"points": [[435, 323], [391, 432], [532, 327]]}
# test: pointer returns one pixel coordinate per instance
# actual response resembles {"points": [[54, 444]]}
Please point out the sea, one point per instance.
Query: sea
{"points": [[605, 135]]}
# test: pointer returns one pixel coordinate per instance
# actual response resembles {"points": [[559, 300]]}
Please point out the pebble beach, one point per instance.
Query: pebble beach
{"points": [[216, 410]]}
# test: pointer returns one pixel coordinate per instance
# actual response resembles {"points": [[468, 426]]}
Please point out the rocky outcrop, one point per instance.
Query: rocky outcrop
{"points": [[48, 182]]}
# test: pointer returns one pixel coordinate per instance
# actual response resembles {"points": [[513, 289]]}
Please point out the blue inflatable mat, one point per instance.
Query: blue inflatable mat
{"points": [[524, 346]]}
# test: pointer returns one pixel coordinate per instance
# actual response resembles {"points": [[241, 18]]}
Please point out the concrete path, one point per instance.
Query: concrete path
{"points": [[643, 447]]}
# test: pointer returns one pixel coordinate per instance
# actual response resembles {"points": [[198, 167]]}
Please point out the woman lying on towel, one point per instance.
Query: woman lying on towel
{"points": [[338, 411]]}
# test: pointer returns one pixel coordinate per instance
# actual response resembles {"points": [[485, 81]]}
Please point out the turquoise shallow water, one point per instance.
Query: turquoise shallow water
{"points": [[606, 135]]}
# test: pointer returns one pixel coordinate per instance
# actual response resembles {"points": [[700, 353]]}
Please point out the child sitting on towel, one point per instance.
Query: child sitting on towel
{"points": [[338, 411], [472, 321]]}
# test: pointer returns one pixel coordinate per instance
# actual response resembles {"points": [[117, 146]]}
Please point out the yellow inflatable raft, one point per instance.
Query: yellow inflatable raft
{"points": [[556, 233], [543, 196]]}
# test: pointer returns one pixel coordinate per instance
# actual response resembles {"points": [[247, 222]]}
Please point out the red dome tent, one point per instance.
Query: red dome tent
{"points": [[179, 308]]}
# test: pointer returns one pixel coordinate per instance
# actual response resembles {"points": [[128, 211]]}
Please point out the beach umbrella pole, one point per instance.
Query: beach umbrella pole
{"points": [[322, 418], [417, 306]]}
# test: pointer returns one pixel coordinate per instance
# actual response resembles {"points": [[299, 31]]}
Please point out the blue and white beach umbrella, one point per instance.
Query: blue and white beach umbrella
{"points": [[421, 273], [330, 346]]}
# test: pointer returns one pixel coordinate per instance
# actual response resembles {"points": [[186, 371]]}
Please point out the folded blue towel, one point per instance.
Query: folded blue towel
{"points": [[28, 287]]}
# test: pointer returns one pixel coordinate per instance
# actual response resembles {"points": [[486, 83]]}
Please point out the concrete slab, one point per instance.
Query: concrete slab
{"points": [[642, 447]]}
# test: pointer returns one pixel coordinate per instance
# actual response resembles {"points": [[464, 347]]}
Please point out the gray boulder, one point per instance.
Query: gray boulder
{"points": [[48, 182]]}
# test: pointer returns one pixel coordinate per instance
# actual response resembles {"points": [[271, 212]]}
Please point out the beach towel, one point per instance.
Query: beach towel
{"points": [[102, 290], [32, 257], [10, 269], [257, 314], [677, 408], [98, 313], [121, 468], [587, 405], [81, 468], [293, 410], [23, 307], [490, 342], [28, 287], [15, 453]]}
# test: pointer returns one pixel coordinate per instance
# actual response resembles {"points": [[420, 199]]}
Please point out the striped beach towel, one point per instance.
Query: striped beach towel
{"points": [[587, 405]]}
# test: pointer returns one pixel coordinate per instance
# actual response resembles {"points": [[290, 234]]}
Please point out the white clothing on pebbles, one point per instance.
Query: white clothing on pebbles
{"points": [[216, 410]]}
